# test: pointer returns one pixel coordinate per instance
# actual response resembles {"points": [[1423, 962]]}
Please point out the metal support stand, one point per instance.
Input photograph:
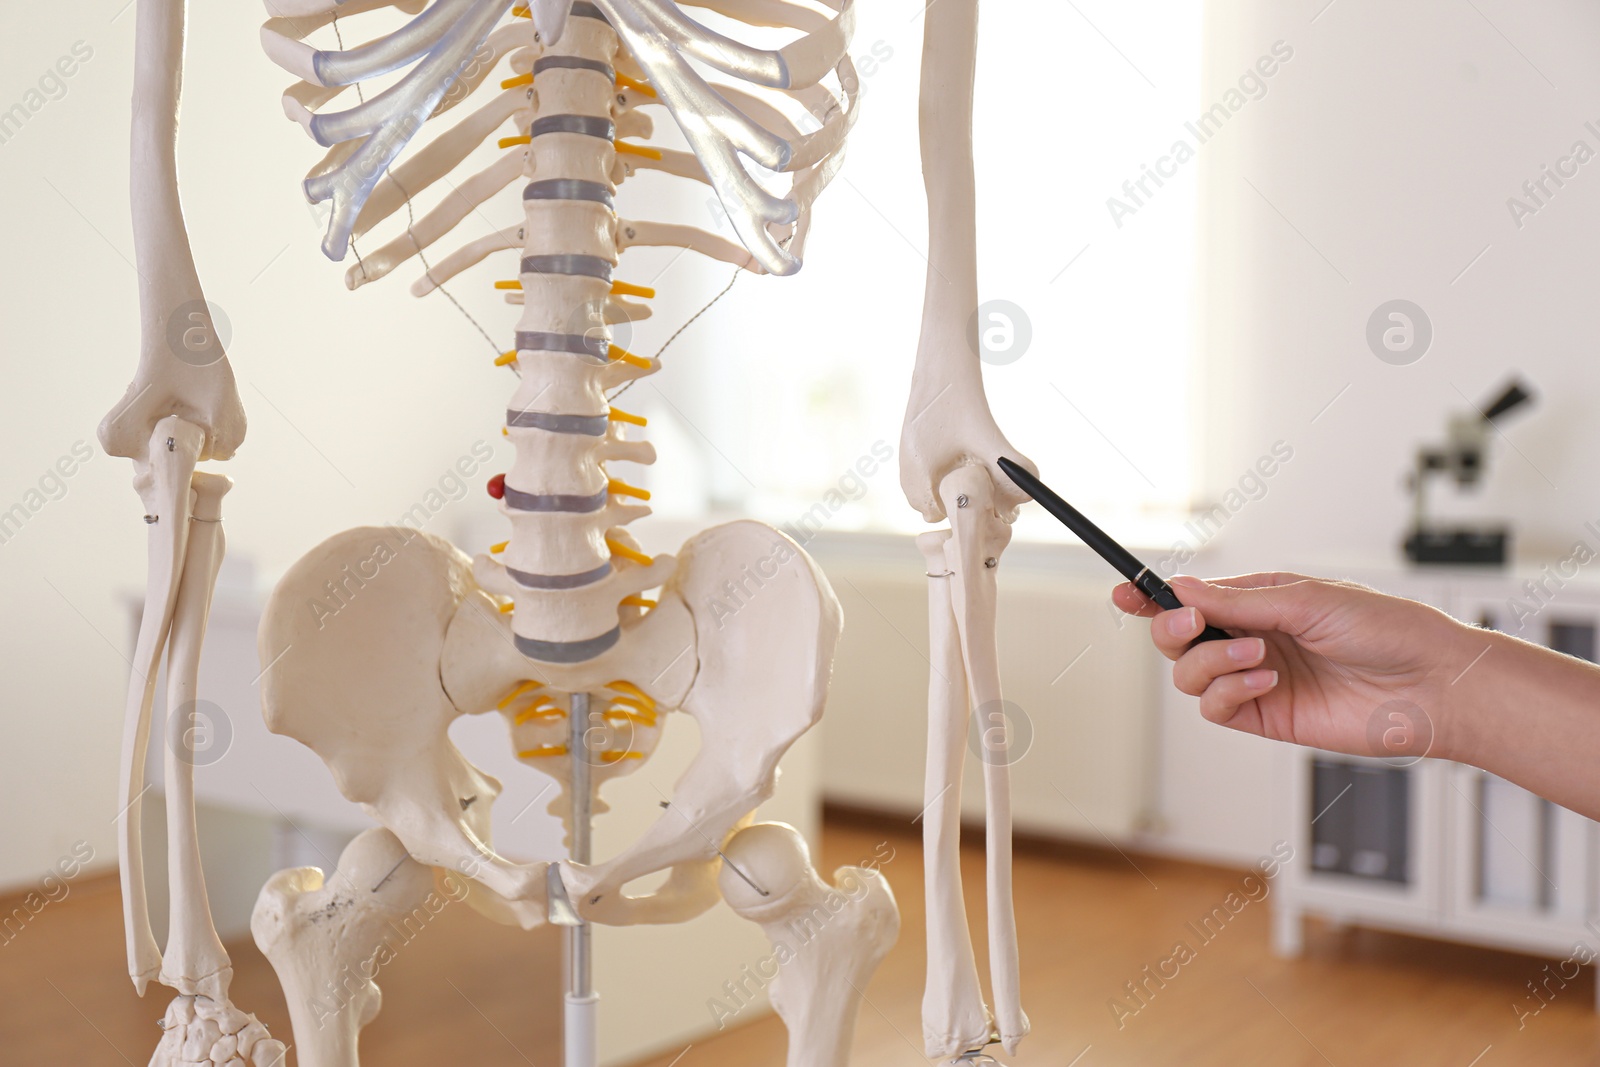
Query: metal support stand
{"points": [[580, 1030]]}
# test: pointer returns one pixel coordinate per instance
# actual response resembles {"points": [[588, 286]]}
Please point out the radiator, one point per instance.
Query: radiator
{"points": [[1080, 680]]}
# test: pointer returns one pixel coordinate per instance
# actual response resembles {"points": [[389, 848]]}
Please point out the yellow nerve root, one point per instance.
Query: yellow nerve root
{"points": [[625, 149], [618, 415], [641, 699], [620, 549], [541, 713], [636, 85], [522, 689], [620, 488], [629, 358]]}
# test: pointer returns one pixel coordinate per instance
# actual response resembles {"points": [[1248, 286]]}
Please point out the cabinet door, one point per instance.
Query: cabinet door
{"points": [[1367, 841], [1520, 866]]}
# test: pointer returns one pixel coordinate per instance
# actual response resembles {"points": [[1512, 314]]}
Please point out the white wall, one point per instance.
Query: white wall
{"points": [[1391, 142]]}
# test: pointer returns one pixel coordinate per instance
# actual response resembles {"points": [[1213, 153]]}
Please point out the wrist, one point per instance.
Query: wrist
{"points": [[1489, 680], [1464, 679]]}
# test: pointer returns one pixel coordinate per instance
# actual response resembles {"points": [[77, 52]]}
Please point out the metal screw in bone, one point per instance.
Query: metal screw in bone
{"points": [[961, 501], [991, 563], [152, 519], [171, 445]]}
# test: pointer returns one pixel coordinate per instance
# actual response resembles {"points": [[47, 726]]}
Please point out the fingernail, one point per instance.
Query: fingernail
{"points": [[1185, 581], [1247, 650], [1182, 623], [1259, 680]]}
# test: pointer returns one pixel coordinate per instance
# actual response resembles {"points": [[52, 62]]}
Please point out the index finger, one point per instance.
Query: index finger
{"points": [[1130, 600]]}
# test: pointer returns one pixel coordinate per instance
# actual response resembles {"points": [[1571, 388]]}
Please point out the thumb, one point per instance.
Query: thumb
{"points": [[1270, 601]]}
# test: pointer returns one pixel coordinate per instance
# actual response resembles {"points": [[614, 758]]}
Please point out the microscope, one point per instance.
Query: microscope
{"points": [[1461, 458]]}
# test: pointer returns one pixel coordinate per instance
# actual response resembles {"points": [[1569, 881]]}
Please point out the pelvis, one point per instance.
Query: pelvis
{"points": [[379, 638]]}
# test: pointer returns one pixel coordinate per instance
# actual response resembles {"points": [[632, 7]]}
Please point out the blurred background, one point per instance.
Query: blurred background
{"points": [[1245, 267]]}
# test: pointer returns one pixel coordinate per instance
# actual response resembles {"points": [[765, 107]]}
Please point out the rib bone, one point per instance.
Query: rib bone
{"points": [[658, 36], [443, 153], [391, 119]]}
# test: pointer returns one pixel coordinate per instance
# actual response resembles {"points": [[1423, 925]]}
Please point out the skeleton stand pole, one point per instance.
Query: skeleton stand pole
{"points": [[580, 1029]]}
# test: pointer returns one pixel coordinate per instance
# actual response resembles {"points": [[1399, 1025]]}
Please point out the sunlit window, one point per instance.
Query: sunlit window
{"points": [[1086, 221]]}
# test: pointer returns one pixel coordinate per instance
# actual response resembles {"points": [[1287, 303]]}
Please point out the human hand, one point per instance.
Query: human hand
{"points": [[1327, 664]]}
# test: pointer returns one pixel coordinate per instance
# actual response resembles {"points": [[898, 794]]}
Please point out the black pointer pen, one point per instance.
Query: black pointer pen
{"points": [[1146, 580]]}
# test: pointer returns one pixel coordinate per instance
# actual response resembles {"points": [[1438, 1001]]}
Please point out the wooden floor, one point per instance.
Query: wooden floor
{"points": [[1091, 922], [65, 997]]}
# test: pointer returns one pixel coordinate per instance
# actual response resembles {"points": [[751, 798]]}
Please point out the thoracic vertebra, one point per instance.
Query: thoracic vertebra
{"points": [[568, 564]]}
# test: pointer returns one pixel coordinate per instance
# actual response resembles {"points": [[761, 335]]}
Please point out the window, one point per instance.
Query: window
{"points": [[809, 373]]}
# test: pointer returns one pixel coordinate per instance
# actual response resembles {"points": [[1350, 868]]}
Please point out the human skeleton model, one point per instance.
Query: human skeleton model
{"points": [[550, 628]]}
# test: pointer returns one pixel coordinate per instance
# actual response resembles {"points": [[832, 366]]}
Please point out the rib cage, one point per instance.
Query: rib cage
{"points": [[453, 42], [569, 568]]}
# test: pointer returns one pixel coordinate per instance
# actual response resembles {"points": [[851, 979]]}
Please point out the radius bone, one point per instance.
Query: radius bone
{"points": [[954, 1017], [164, 486], [194, 961]]}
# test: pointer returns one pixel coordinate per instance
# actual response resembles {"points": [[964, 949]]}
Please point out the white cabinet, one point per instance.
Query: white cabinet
{"points": [[1429, 847]]}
